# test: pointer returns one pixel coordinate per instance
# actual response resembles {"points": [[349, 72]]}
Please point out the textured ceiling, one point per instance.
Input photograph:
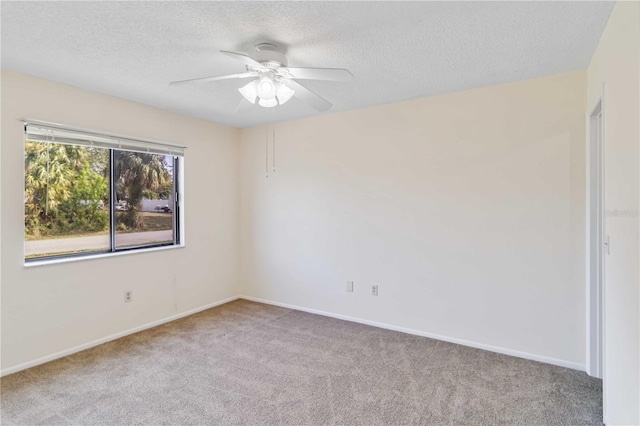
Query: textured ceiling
{"points": [[396, 50]]}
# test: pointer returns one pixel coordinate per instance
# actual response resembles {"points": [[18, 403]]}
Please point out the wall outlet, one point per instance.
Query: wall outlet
{"points": [[128, 296], [350, 286], [374, 290]]}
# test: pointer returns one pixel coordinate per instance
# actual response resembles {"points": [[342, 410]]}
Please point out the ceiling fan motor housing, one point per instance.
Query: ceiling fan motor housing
{"points": [[270, 56]]}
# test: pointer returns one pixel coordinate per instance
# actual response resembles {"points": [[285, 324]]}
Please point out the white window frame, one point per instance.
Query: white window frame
{"points": [[113, 143]]}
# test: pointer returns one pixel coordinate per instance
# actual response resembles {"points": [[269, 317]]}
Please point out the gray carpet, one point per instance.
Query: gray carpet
{"points": [[248, 363]]}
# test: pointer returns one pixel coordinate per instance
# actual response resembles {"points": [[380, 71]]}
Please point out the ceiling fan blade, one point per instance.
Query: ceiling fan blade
{"points": [[244, 107], [326, 74], [306, 95], [244, 59], [215, 78]]}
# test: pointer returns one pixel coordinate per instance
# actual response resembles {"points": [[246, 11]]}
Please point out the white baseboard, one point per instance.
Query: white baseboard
{"points": [[505, 351], [115, 336], [497, 349]]}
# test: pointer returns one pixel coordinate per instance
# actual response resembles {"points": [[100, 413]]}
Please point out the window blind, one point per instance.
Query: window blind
{"points": [[38, 131]]}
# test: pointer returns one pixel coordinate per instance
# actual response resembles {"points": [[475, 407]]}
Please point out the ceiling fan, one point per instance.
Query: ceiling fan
{"points": [[273, 82]]}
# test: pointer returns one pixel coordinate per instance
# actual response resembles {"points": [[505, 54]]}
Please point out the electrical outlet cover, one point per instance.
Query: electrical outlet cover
{"points": [[350, 286]]}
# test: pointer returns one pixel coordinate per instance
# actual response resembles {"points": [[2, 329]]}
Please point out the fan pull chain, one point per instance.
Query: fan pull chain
{"points": [[273, 146], [273, 140], [266, 141]]}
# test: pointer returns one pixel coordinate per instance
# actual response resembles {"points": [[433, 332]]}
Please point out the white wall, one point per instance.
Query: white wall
{"points": [[467, 210], [47, 309], [616, 64]]}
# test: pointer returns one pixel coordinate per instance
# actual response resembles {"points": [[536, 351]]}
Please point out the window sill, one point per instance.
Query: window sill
{"points": [[99, 256]]}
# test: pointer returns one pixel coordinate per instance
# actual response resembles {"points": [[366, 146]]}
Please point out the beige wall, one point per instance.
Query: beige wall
{"points": [[47, 309], [466, 209], [616, 66]]}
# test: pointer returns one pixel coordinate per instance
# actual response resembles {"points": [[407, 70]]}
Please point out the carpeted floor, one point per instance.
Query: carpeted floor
{"points": [[248, 363]]}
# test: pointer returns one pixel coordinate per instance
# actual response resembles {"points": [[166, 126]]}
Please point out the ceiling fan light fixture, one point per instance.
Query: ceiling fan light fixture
{"points": [[249, 91], [275, 81], [284, 93], [267, 103], [266, 88]]}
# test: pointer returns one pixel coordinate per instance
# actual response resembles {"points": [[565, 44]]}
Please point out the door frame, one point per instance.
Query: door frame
{"points": [[596, 239]]}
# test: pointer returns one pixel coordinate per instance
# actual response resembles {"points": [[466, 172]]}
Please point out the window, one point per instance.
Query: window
{"points": [[88, 193]]}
